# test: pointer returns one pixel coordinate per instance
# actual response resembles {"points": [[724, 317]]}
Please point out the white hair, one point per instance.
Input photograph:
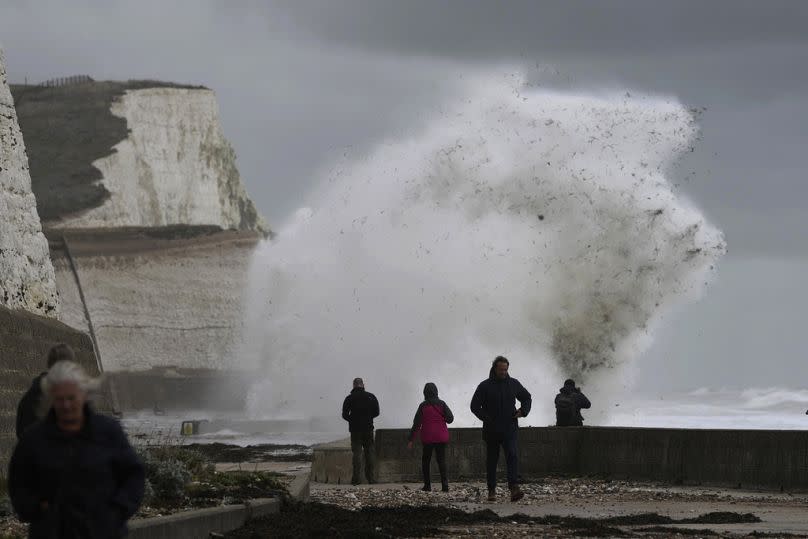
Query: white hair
{"points": [[69, 371]]}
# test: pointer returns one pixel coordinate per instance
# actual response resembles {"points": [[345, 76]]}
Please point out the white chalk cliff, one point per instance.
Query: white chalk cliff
{"points": [[174, 167], [26, 273]]}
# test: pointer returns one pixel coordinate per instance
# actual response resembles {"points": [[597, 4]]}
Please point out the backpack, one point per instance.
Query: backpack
{"points": [[566, 410]]}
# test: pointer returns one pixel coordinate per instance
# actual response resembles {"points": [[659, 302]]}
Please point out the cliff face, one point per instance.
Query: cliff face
{"points": [[26, 273], [157, 297], [137, 183], [151, 155]]}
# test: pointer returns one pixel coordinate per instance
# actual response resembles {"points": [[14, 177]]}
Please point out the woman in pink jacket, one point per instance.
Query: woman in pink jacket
{"points": [[431, 419]]}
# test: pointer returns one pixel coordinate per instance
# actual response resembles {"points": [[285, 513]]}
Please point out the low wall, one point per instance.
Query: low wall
{"points": [[172, 389], [199, 523], [734, 458], [203, 523], [25, 339]]}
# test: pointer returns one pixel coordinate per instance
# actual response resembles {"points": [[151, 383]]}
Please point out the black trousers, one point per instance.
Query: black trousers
{"points": [[508, 443], [362, 448], [426, 459]]}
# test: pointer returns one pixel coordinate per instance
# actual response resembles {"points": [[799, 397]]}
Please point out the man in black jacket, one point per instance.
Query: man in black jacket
{"points": [[494, 403], [29, 407], [359, 409], [568, 403]]}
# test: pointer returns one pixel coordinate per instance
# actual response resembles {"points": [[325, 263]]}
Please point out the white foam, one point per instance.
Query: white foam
{"points": [[532, 224]]}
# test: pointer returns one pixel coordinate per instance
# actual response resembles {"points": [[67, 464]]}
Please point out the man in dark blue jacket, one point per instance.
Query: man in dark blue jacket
{"points": [[494, 403]]}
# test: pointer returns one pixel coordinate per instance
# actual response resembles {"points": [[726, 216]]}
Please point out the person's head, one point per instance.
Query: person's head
{"points": [[358, 383], [499, 368], [430, 391], [60, 352], [66, 386], [569, 383]]}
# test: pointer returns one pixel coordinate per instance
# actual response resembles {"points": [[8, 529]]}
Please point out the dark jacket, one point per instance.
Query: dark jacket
{"points": [[28, 407], [430, 399], [568, 403], [92, 481], [494, 403], [359, 409]]}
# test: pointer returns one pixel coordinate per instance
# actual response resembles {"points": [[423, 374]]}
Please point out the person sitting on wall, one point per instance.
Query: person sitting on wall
{"points": [[359, 409], [431, 421], [74, 474], [31, 407], [568, 404]]}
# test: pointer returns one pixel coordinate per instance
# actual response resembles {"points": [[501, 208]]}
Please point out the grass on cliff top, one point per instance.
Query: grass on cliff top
{"points": [[65, 130]]}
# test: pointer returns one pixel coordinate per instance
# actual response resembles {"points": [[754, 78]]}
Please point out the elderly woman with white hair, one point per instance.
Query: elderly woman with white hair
{"points": [[74, 474]]}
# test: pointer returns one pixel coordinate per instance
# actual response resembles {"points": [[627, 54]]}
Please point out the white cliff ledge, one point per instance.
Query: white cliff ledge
{"points": [[174, 167]]}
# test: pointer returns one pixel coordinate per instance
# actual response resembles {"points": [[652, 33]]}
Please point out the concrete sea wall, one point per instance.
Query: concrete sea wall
{"points": [[732, 458]]}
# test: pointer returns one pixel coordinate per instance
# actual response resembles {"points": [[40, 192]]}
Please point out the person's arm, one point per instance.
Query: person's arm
{"points": [[478, 403], [22, 482], [375, 406], [524, 398], [131, 476], [583, 402], [346, 408], [416, 422], [447, 413]]}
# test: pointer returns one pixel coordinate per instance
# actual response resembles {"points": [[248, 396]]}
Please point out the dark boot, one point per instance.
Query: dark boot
{"points": [[444, 486], [427, 487], [516, 493], [492, 495]]}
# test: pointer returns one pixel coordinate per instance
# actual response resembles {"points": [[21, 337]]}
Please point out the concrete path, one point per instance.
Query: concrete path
{"points": [[780, 513]]}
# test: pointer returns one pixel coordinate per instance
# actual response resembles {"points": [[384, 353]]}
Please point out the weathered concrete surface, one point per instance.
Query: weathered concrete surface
{"points": [[199, 523], [735, 458], [331, 462], [26, 273], [25, 339], [172, 296]]}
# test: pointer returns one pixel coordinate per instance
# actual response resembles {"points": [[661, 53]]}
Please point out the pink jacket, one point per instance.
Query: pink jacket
{"points": [[431, 418], [433, 425]]}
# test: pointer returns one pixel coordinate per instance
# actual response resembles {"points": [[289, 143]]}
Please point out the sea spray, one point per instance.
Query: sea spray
{"points": [[528, 223]]}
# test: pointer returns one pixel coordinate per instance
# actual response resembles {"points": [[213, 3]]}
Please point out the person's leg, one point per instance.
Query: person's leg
{"points": [[512, 461], [426, 460], [440, 453], [370, 456], [491, 459], [356, 450]]}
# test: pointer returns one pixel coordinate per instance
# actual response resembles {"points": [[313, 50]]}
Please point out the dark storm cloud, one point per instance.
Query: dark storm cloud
{"points": [[301, 84], [485, 29]]}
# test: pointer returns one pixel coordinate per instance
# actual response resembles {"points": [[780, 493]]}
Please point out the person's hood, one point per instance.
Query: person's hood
{"points": [[430, 391]]}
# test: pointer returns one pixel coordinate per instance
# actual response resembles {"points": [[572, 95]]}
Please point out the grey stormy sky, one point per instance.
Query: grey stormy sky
{"points": [[302, 83]]}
